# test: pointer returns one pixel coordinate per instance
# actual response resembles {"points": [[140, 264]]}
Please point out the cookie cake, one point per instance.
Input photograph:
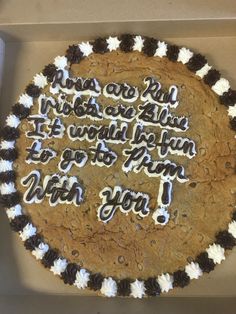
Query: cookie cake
{"points": [[117, 166]]}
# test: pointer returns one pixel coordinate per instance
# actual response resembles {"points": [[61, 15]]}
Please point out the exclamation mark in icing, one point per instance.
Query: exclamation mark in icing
{"points": [[166, 193], [161, 215]]}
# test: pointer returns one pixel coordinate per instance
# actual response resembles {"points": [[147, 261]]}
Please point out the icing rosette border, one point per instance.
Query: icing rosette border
{"points": [[72, 273]]}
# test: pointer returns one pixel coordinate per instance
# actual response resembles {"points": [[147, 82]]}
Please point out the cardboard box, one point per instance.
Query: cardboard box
{"points": [[33, 33]]}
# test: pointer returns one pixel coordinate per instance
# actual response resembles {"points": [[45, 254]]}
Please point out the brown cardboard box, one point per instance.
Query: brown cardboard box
{"points": [[34, 32]]}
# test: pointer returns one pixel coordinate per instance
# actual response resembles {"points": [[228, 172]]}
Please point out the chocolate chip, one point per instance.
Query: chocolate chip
{"points": [[121, 259], [75, 253]]}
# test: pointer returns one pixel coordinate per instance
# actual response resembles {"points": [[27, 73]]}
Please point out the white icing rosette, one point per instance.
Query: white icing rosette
{"points": [[161, 49], [232, 111], [184, 55], [221, 86], [137, 289], [203, 71], [26, 100], [216, 252], [7, 188], [12, 121], [109, 287], [40, 80], [166, 282], [14, 211], [60, 62], [232, 228], [82, 278], [193, 270], [40, 250], [86, 48], [28, 231], [5, 165], [138, 43], [59, 266], [7, 144], [113, 43]]}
